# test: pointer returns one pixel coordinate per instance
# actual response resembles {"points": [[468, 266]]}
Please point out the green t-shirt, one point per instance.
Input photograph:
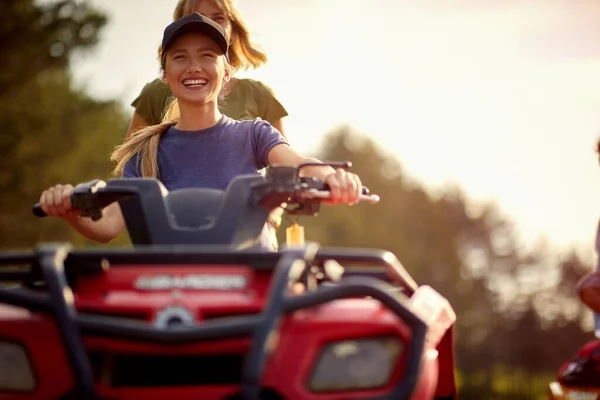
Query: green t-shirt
{"points": [[248, 99]]}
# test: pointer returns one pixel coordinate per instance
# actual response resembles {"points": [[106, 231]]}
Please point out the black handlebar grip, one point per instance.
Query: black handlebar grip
{"points": [[37, 211]]}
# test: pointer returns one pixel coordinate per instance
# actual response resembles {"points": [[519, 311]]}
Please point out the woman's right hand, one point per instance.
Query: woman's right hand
{"points": [[56, 201]]}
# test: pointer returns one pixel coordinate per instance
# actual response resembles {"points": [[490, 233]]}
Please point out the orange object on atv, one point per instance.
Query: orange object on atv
{"points": [[174, 319]]}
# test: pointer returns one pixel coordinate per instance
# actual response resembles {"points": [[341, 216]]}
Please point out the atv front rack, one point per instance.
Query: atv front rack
{"points": [[56, 264]]}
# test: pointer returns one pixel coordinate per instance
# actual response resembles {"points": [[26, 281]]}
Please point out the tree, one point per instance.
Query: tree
{"points": [[52, 131], [471, 254], [36, 38], [428, 235]]}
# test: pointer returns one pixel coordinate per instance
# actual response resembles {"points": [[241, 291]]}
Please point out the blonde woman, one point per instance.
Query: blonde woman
{"points": [[241, 99], [202, 147]]}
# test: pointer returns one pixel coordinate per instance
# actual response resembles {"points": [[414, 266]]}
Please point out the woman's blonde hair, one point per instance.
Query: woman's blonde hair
{"points": [[243, 54], [145, 143]]}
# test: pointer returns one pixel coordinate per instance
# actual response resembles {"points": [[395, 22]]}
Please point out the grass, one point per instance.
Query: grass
{"points": [[503, 383]]}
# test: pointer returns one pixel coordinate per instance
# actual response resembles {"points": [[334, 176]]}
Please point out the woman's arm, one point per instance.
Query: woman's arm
{"points": [[56, 202], [346, 187]]}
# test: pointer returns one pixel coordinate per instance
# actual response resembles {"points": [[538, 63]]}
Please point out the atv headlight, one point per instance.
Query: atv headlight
{"points": [[16, 372], [355, 364]]}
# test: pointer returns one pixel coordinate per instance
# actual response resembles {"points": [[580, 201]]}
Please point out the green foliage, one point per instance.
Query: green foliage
{"points": [[52, 132], [35, 38], [500, 382]]}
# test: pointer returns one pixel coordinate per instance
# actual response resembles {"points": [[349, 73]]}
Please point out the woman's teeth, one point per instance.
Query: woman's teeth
{"points": [[195, 82]]}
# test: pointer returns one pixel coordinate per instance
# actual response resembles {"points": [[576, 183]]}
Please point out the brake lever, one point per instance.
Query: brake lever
{"points": [[325, 194], [333, 164]]}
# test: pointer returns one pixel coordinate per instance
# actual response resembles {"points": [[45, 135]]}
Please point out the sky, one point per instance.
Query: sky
{"points": [[499, 97]]}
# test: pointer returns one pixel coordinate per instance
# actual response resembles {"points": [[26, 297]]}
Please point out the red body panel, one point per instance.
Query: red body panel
{"points": [[42, 341], [301, 336]]}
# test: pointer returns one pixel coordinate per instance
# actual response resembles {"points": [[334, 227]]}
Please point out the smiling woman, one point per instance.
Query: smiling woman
{"points": [[202, 148], [240, 99]]}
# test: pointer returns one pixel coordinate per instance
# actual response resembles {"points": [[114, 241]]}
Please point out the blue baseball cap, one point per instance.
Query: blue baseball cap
{"points": [[194, 22]]}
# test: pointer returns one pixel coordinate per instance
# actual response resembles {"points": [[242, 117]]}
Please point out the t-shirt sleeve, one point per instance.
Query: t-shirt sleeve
{"points": [[270, 108], [152, 101], [132, 168], [264, 138]]}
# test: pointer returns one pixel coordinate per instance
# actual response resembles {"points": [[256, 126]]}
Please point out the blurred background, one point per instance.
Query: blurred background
{"points": [[475, 120]]}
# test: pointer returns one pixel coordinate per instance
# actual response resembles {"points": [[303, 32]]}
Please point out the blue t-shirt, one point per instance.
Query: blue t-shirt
{"points": [[212, 157]]}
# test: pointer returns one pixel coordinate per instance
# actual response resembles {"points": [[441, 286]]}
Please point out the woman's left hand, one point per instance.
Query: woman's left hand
{"points": [[345, 187]]}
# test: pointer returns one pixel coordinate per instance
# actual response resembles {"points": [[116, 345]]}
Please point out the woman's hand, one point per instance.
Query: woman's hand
{"points": [[345, 187], [56, 202]]}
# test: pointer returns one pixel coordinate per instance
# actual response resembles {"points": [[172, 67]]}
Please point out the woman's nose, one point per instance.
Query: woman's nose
{"points": [[195, 66]]}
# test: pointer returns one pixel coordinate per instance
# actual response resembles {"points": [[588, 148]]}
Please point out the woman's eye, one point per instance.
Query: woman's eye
{"points": [[208, 55]]}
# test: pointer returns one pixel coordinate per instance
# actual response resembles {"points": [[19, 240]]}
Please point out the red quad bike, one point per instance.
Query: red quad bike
{"points": [[196, 311], [579, 378]]}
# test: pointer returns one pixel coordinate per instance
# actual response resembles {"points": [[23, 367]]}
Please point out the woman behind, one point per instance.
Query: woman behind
{"points": [[242, 99]]}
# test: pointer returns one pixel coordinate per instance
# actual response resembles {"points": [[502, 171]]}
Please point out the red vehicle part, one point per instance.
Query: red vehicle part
{"points": [[172, 319], [94, 338], [579, 377]]}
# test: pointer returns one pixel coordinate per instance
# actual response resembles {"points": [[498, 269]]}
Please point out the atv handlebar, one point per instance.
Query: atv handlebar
{"points": [[87, 197], [90, 197], [37, 211], [311, 193], [234, 217]]}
